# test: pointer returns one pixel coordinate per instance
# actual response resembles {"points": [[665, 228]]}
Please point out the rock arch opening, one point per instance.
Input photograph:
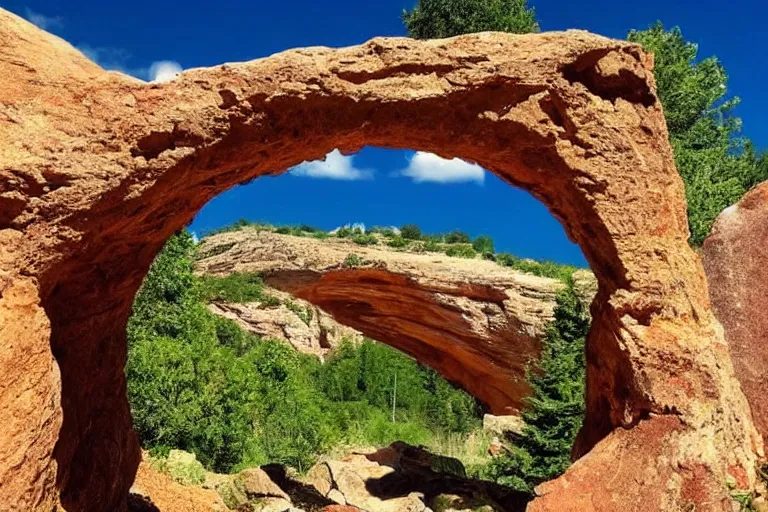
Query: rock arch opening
{"points": [[102, 169]]}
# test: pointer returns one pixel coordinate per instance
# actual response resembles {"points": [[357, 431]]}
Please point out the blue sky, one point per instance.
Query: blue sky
{"points": [[153, 39]]}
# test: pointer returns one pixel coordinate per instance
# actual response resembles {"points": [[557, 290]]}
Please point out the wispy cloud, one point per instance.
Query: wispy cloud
{"points": [[43, 21], [335, 166], [428, 167]]}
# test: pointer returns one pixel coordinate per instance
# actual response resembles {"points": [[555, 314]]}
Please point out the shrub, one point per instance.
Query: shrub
{"points": [[365, 240], [410, 232], [457, 237], [461, 251], [344, 232], [305, 314], [383, 231], [352, 260], [483, 244], [238, 287], [398, 242], [320, 235]]}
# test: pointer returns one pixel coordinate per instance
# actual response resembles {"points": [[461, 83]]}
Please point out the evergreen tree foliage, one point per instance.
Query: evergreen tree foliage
{"points": [[717, 165], [555, 410], [432, 19]]}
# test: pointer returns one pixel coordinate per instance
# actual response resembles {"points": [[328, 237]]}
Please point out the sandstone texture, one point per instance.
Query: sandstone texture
{"points": [[477, 323], [154, 491], [405, 478], [98, 169], [736, 262], [313, 331]]}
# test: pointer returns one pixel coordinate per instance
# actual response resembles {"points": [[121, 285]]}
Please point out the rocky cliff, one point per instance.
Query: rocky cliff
{"points": [[477, 323]]}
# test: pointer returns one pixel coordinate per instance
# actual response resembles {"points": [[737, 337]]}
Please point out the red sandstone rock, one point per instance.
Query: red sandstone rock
{"points": [[98, 169], [736, 262], [476, 323]]}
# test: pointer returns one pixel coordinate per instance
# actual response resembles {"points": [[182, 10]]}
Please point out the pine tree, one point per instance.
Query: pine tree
{"points": [[555, 409]]}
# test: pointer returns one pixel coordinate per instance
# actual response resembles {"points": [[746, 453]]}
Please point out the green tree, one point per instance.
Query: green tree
{"points": [[555, 410], [410, 232], [432, 19], [186, 389], [716, 164], [483, 244]]}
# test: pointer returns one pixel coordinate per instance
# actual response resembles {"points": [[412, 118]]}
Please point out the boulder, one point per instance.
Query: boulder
{"points": [[251, 486], [503, 425], [154, 491], [736, 262]]}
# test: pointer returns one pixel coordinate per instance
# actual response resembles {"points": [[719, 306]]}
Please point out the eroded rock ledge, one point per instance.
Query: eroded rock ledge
{"points": [[477, 323]]}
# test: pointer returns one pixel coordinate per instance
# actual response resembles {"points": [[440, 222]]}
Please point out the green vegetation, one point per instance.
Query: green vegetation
{"points": [[716, 164], [432, 19], [198, 383], [352, 260], [556, 408], [239, 287], [461, 251], [537, 268], [410, 232], [398, 242], [456, 237], [483, 244], [365, 240]]}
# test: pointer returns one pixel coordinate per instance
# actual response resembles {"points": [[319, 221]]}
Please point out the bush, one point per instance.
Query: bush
{"points": [[344, 232], [398, 242], [365, 240], [410, 232], [382, 230], [483, 244], [538, 268], [461, 251], [457, 237], [352, 260], [238, 287]]}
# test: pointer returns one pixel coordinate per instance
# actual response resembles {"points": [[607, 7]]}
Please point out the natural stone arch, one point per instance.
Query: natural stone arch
{"points": [[97, 170]]}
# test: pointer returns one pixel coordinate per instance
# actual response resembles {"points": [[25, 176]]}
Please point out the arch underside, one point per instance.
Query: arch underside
{"points": [[99, 169]]}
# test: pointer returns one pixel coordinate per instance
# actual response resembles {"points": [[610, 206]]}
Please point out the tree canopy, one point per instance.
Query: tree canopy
{"points": [[432, 19]]}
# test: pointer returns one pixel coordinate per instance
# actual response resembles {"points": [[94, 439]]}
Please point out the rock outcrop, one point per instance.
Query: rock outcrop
{"points": [[401, 478], [736, 262], [98, 169], [310, 330], [477, 323]]}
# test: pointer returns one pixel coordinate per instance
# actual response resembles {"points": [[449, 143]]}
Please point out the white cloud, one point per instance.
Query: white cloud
{"points": [[42, 21], [164, 70], [335, 166], [428, 167]]}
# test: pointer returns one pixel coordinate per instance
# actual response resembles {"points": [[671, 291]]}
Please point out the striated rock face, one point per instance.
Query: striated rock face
{"points": [[310, 331], [97, 170], [477, 323], [736, 262]]}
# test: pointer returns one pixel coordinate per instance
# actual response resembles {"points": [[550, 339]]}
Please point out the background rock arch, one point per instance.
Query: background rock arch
{"points": [[98, 169]]}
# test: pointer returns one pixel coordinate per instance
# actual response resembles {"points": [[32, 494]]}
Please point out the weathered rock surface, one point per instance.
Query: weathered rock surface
{"points": [[401, 477], [97, 170], [475, 322], [154, 491], [313, 332], [736, 262]]}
